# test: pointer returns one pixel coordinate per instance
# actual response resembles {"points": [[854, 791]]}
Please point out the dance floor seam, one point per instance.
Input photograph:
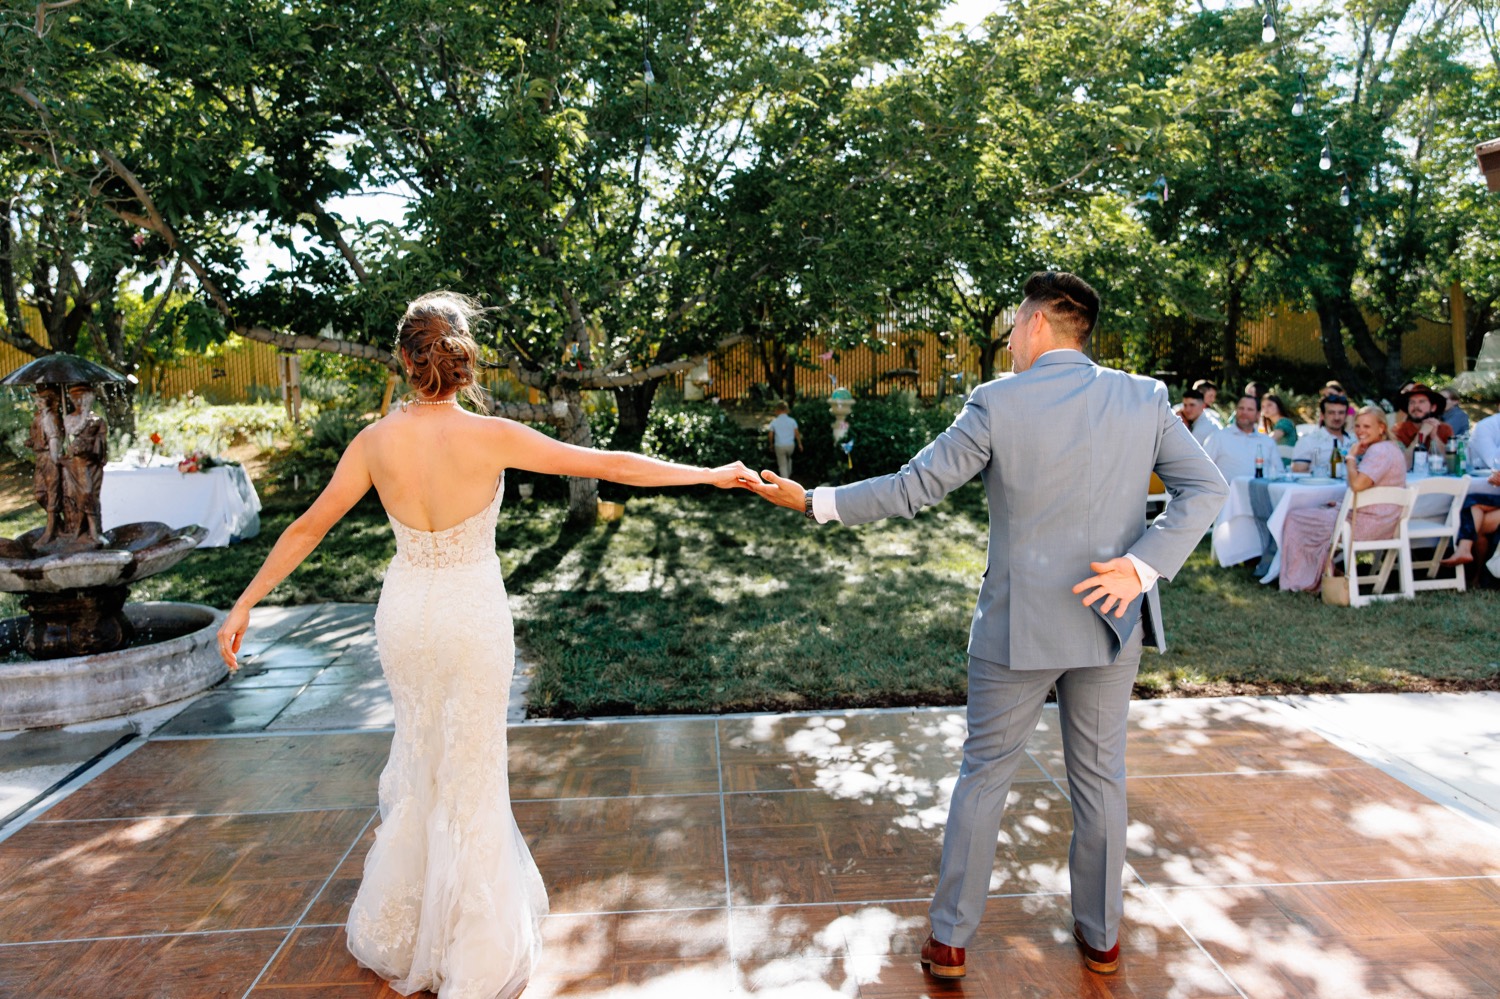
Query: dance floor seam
{"points": [[1262, 862]]}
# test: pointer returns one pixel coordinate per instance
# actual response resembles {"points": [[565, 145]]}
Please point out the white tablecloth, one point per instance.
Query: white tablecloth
{"points": [[1236, 538], [221, 499]]}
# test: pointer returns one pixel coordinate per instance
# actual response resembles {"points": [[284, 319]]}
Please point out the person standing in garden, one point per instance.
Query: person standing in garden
{"points": [[1060, 506], [785, 438], [451, 900]]}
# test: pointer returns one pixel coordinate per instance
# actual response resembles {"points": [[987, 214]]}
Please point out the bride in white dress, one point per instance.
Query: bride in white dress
{"points": [[451, 900]]}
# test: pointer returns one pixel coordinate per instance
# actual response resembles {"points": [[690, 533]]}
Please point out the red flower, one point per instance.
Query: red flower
{"points": [[156, 439]]}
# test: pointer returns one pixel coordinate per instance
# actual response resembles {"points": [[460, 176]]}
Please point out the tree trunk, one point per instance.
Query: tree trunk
{"points": [[633, 403], [1478, 318], [990, 347], [781, 371], [1379, 361], [583, 494], [1331, 332], [1229, 342]]}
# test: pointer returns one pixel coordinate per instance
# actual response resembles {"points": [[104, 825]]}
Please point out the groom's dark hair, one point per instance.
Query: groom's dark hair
{"points": [[1071, 304]]}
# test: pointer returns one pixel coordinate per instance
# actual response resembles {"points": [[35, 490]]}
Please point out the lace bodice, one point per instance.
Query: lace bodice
{"points": [[469, 543]]}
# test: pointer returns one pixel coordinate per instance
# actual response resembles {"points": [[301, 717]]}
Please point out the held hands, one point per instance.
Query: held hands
{"points": [[231, 633], [1116, 583], [782, 492], [733, 476]]}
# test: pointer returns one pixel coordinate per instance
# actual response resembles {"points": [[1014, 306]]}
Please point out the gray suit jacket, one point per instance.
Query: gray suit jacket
{"points": [[1066, 449]]}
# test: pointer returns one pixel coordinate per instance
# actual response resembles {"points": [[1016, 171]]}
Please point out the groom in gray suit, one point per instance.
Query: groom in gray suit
{"points": [[1066, 450]]}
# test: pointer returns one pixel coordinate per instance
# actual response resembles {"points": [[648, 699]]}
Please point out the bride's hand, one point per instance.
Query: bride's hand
{"points": [[733, 476], [231, 633]]}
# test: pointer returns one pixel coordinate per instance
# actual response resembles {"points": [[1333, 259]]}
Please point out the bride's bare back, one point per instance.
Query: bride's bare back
{"points": [[433, 466]]}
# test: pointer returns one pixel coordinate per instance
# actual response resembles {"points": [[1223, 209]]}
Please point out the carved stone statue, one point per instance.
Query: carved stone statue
{"points": [[83, 466], [46, 439]]}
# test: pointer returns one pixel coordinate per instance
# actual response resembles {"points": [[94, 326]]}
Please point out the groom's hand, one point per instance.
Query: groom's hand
{"points": [[1115, 582], [782, 492]]}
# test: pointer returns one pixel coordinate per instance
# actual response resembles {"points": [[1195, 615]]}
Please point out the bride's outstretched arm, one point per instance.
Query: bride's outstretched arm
{"points": [[522, 447], [351, 480]]}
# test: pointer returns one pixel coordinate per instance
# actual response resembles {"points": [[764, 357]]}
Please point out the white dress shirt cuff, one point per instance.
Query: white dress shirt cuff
{"points": [[823, 508], [1148, 575]]}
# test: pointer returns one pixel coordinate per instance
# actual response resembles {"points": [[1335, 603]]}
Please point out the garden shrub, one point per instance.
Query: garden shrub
{"points": [[309, 460], [16, 412], [697, 435]]}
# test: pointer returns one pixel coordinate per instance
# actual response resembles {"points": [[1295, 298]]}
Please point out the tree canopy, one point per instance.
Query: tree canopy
{"points": [[631, 185]]}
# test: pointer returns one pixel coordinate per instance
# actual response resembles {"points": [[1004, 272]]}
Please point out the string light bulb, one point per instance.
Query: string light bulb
{"points": [[649, 76], [1268, 28], [1299, 106], [1325, 161], [1344, 196]]}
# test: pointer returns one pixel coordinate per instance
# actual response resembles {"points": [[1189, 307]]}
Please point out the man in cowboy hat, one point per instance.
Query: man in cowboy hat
{"points": [[1424, 411]]}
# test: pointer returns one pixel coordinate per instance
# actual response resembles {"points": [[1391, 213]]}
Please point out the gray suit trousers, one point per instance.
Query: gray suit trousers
{"points": [[1004, 708]]}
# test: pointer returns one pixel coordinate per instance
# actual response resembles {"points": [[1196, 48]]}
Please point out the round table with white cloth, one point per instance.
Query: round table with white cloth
{"points": [[222, 500]]}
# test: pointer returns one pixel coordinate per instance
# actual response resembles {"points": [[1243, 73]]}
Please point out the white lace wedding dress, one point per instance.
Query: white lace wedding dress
{"points": [[451, 900]]}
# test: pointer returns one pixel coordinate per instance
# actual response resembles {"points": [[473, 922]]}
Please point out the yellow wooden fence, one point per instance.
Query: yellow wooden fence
{"points": [[904, 357]]}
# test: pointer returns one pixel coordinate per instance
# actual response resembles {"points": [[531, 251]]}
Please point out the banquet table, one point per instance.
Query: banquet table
{"points": [[221, 499], [1237, 539]]}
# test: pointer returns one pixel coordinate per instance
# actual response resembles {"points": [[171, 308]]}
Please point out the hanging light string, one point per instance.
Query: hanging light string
{"points": [[647, 76], [1270, 34]]}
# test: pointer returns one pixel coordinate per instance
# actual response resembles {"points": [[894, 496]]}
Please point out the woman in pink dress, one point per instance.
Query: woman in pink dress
{"points": [[1373, 461]]}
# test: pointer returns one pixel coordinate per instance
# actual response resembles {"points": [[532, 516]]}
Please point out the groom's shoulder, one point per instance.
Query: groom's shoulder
{"points": [[1142, 386]]}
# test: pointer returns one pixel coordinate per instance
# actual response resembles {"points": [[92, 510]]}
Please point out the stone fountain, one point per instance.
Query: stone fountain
{"points": [[82, 651]]}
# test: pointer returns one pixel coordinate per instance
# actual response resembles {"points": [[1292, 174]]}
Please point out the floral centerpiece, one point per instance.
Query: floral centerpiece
{"points": [[201, 461]]}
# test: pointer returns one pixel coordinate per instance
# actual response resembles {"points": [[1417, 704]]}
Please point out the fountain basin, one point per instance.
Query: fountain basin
{"points": [[36, 694], [130, 552]]}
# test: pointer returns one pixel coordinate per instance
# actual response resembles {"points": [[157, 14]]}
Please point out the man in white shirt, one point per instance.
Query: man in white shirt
{"points": [[785, 438], [1208, 392], [1195, 417], [1235, 448], [1315, 448], [1484, 443]]}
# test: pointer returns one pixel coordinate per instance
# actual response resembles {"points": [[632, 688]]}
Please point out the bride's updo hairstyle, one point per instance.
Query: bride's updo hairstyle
{"points": [[441, 353]]}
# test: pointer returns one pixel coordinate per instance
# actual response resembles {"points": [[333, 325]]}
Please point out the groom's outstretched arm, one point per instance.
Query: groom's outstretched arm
{"points": [[956, 456]]}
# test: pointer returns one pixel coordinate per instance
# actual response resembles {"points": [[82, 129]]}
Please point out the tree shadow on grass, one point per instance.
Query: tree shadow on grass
{"points": [[543, 563]]}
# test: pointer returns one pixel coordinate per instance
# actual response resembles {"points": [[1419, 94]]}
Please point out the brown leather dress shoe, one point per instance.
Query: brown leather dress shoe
{"points": [[1104, 962], [941, 960]]}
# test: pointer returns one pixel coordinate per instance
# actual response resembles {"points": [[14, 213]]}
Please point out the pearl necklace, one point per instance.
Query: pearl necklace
{"points": [[450, 401]]}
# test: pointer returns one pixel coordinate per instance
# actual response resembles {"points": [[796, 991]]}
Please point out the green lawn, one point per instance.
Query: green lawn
{"points": [[720, 603]]}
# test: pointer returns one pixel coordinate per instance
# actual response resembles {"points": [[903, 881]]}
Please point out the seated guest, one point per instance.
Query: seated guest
{"points": [[1210, 398], [1315, 448], [1337, 388], [1452, 414], [1235, 448], [1275, 420], [1196, 417], [1373, 461], [1477, 525], [1424, 411], [1484, 443]]}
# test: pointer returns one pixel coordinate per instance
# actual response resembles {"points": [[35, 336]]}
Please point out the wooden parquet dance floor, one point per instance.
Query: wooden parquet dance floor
{"points": [[782, 856]]}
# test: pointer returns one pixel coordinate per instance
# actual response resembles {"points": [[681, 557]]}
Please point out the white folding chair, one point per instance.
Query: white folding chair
{"points": [[1397, 548], [1437, 527], [1157, 496], [1286, 450]]}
